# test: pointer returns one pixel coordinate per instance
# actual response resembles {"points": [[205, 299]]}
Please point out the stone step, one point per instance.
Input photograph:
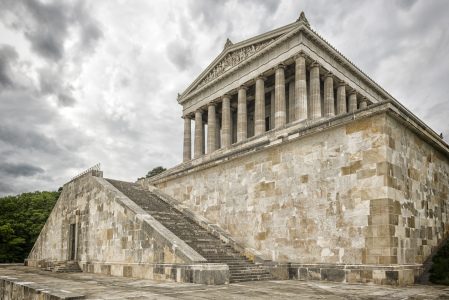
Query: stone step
{"points": [[249, 276], [206, 244], [249, 272], [232, 280]]}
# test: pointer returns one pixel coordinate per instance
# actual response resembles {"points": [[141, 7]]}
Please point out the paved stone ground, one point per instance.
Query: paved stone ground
{"points": [[95, 286]]}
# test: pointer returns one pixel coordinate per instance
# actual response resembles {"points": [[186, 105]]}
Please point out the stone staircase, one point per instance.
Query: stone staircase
{"points": [[210, 247], [63, 267]]}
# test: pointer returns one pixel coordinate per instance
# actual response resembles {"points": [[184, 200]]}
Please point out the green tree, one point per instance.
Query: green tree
{"points": [[440, 268], [155, 171], [22, 218]]}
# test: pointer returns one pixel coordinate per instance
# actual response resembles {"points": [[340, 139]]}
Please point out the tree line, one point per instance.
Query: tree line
{"points": [[22, 218]]}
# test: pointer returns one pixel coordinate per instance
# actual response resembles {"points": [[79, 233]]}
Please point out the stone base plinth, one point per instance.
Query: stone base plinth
{"points": [[202, 273], [378, 274]]}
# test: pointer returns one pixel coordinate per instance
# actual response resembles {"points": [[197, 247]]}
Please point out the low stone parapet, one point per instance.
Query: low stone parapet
{"points": [[13, 288], [377, 274], [202, 273]]}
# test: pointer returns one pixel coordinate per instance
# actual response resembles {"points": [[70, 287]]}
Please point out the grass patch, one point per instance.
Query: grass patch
{"points": [[440, 268]]}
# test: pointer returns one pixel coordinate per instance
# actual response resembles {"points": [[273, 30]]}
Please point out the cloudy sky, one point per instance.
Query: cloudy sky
{"points": [[83, 82]]}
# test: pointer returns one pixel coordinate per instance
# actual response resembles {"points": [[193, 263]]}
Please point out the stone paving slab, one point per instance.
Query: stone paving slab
{"points": [[94, 286]]}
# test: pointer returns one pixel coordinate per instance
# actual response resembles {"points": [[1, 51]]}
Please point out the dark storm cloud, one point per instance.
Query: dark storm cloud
{"points": [[7, 55], [90, 29], [208, 12], [180, 54], [47, 25], [51, 84], [19, 169], [6, 188], [65, 100], [28, 140], [406, 4], [271, 6], [53, 21]]}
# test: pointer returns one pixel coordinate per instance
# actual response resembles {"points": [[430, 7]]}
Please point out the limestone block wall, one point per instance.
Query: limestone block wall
{"points": [[417, 177], [350, 194], [114, 236], [300, 201]]}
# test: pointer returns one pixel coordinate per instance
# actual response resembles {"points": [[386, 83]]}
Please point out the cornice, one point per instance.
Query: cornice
{"points": [[182, 98], [283, 35]]}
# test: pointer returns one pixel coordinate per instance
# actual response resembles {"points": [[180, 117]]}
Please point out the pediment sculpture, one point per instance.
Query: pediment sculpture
{"points": [[232, 59]]}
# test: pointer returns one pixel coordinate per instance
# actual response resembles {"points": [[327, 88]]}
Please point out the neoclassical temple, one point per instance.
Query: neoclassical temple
{"points": [[268, 81], [307, 169]]}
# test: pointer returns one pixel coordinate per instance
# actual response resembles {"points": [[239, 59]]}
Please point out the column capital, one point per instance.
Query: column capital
{"points": [[353, 91], [315, 64], [212, 103], [341, 83], [262, 77], [199, 110], [280, 66], [226, 95], [244, 87], [328, 74], [300, 54], [187, 116]]}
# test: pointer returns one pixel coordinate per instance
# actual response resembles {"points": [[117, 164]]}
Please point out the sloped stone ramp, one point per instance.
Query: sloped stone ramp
{"points": [[210, 247]]}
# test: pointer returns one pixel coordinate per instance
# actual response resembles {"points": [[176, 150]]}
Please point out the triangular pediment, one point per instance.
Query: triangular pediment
{"points": [[233, 58], [236, 54]]}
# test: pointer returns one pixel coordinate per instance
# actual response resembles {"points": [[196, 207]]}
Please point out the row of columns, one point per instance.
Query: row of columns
{"points": [[297, 107]]}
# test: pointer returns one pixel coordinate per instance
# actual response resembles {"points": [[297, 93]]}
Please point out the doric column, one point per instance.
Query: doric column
{"points": [[233, 125], [291, 102], [352, 102], [363, 103], [315, 95], [204, 138], [211, 127], [272, 108], [242, 124], [217, 131], [187, 152], [301, 87], [259, 124], [329, 102], [226, 133], [341, 98], [198, 143], [279, 92]]}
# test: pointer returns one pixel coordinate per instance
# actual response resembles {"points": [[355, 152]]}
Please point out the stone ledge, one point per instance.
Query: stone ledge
{"points": [[207, 273], [201, 273], [13, 288], [297, 130], [378, 274]]}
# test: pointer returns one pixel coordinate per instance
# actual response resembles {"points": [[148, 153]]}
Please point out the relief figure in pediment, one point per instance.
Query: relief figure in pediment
{"points": [[252, 50], [233, 59], [228, 61]]}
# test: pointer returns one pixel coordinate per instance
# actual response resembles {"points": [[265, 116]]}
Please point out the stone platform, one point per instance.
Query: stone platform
{"points": [[95, 286]]}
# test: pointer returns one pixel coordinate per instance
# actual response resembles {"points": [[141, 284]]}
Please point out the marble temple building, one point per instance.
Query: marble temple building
{"points": [[296, 165]]}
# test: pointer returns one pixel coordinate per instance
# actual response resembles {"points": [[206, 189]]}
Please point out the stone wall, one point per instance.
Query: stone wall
{"points": [[364, 189], [116, 237], [417, 177], [296, 202]]}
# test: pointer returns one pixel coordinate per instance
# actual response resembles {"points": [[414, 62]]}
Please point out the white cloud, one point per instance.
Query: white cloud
{"points": [[103, 86]]}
